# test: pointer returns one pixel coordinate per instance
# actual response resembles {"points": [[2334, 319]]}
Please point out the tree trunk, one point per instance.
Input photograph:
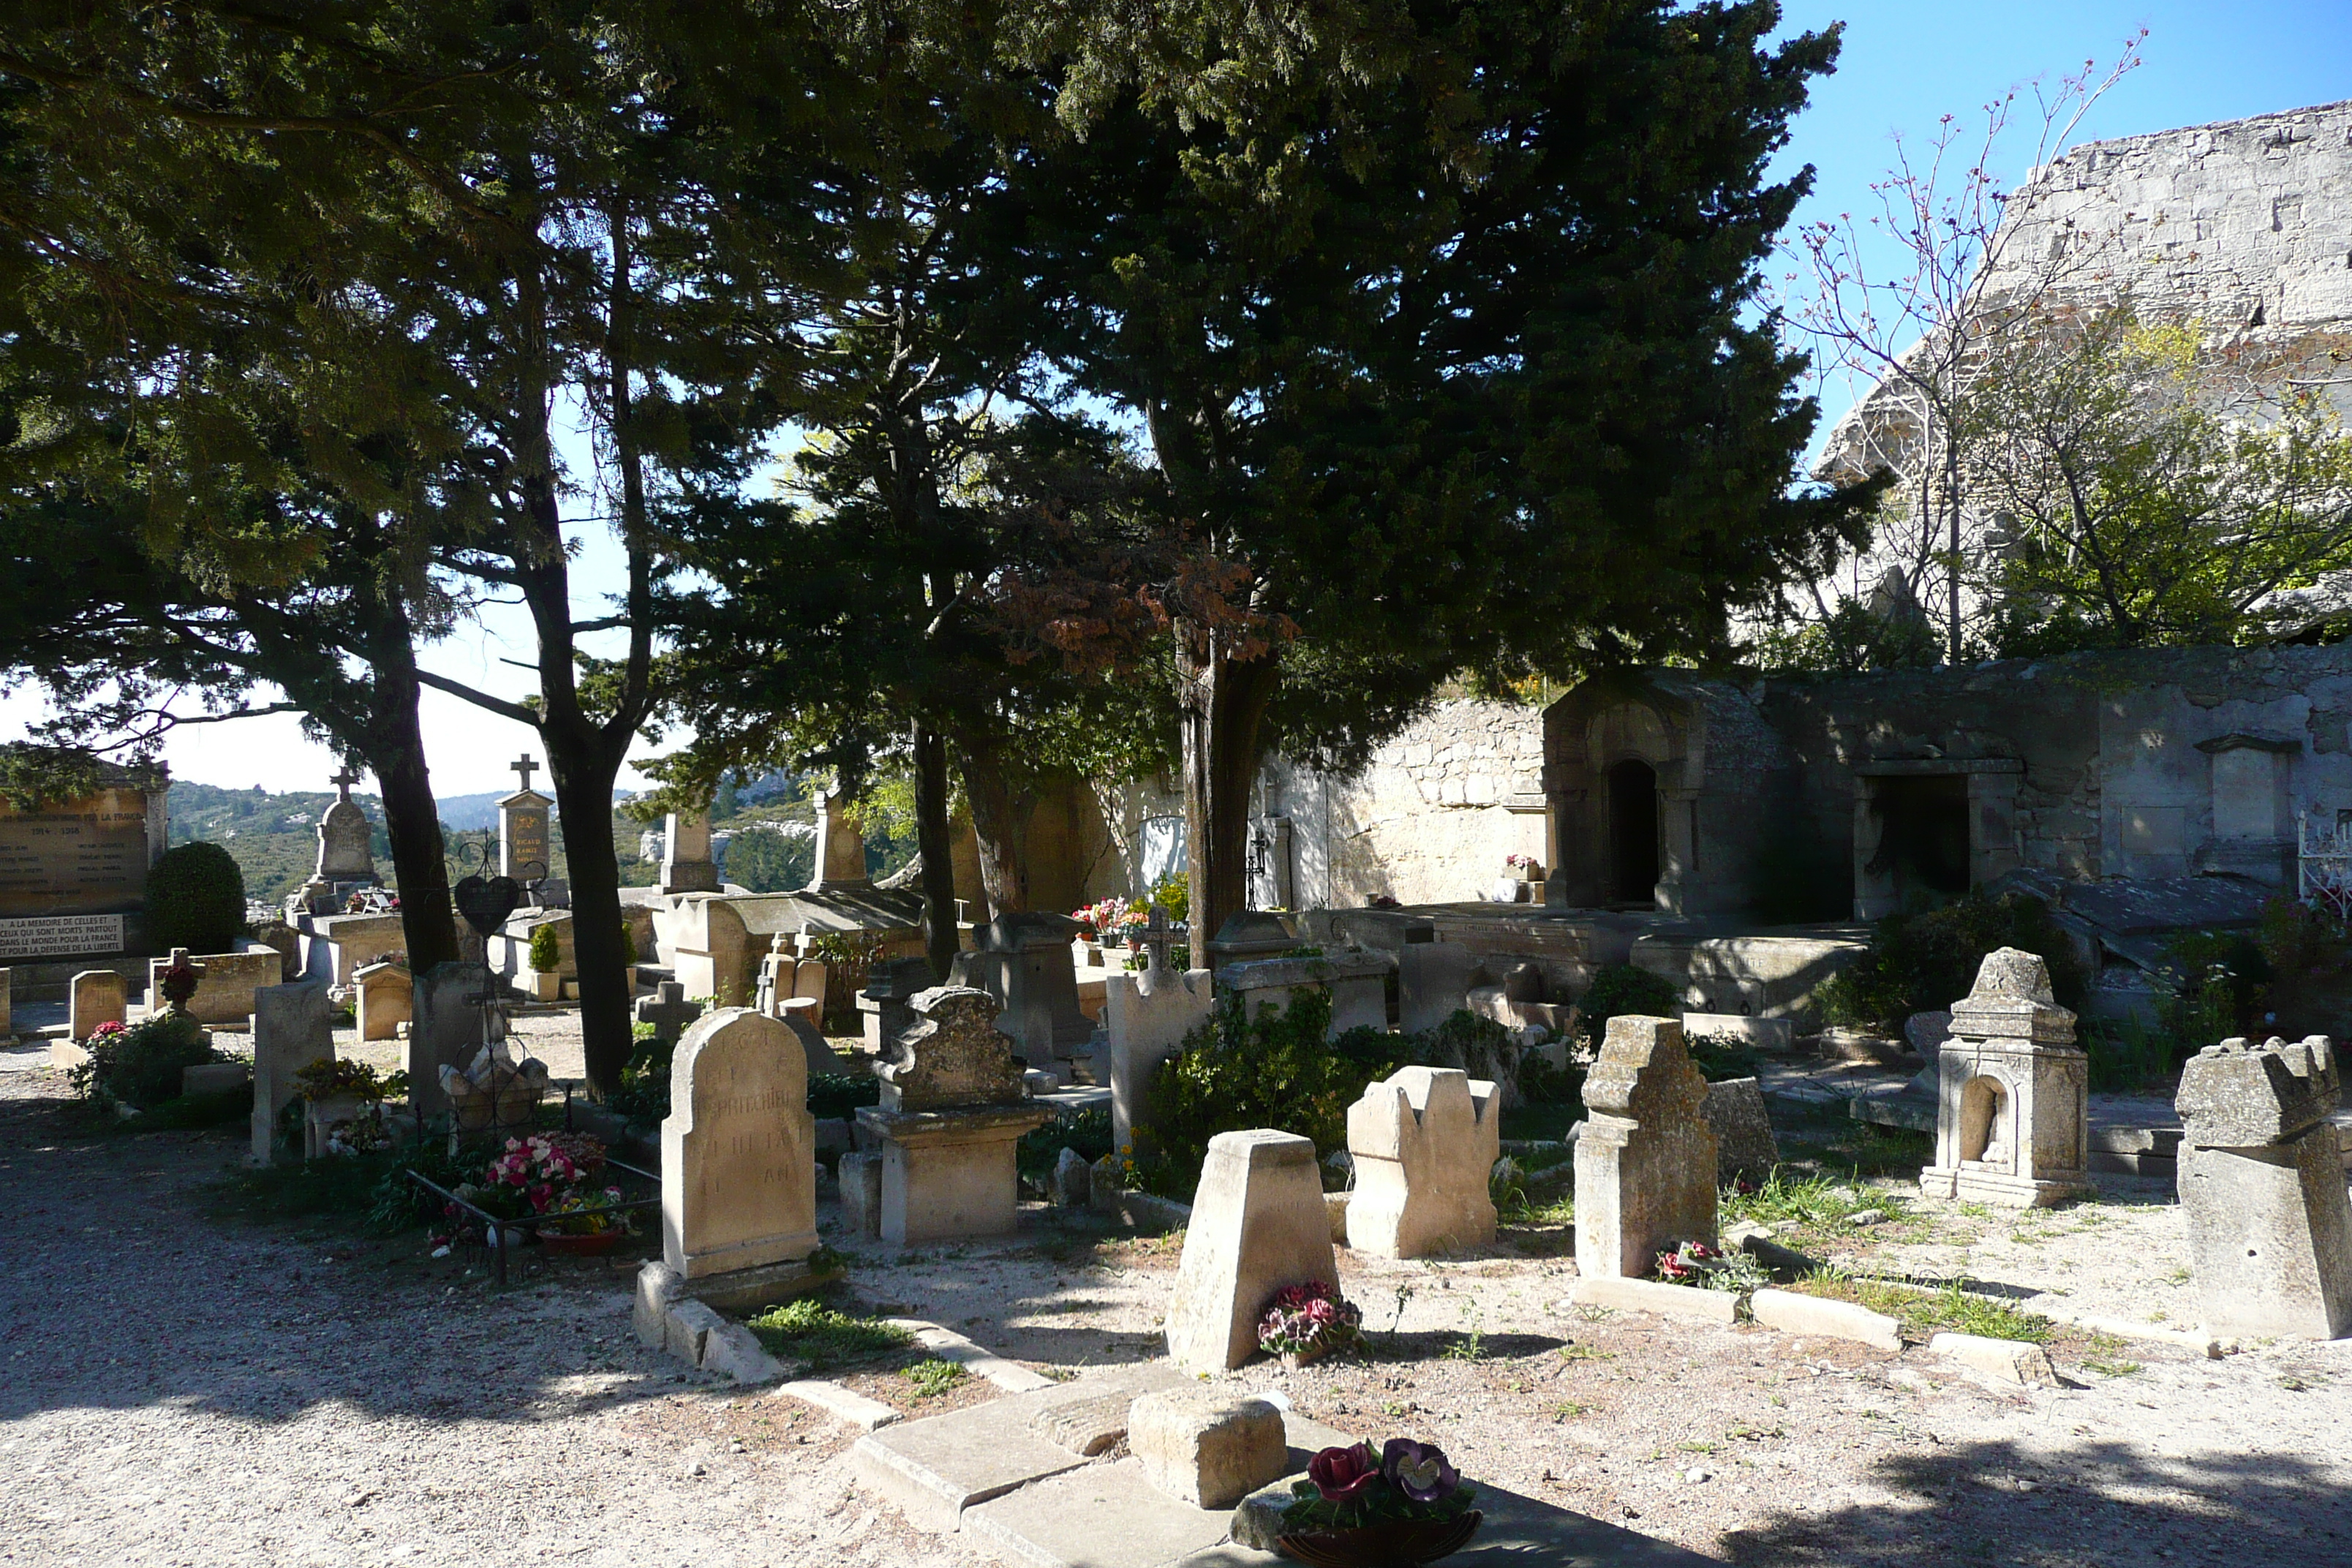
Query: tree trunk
{"points": [[935, 841], [1000, 821], [1221, 705], [584, 770], [412, 820]]}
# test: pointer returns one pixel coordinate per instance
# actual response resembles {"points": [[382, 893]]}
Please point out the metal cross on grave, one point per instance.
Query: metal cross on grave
{"points": [[526, 767], [343, 781], [1157, 935]]}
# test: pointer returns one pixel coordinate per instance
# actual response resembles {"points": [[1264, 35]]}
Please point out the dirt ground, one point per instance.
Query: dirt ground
{"points": [[187, 1387]]}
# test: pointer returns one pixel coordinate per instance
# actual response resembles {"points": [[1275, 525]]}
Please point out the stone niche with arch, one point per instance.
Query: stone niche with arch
{"points": [[1653, 780], [2012, 1093]]}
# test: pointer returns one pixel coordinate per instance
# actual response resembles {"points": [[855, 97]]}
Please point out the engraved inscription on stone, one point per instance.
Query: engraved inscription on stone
{"points": [[56, 936], [82, 859]]}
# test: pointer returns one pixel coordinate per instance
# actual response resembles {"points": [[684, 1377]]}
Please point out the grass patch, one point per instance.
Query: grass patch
{"points": [[825, 1336], [934, 1378], [1925, 1314], [1809, 1201], [2106, 1368]]}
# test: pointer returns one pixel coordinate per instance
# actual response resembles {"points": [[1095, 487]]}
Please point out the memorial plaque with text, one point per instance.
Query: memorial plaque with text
{"points": [[86, 857], [61, 936]]}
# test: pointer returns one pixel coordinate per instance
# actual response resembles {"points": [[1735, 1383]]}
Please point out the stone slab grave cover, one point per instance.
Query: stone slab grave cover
{"points": [[1024, 961], [2012, 1102], [293, 1025], [387, 997], [1355, 978], [1146, 1016], [98, 997], [1258, 1224], [1745, 1149], [2262, 1181], [226, 982], [1434, 980], [1424, 1140], [1645, 1159], [952, 1110], [738, 1167]]}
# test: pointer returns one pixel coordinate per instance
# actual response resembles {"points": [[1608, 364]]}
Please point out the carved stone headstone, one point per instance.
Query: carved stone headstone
{"points": [[1146, 1017], [739, 1149], [98, 997], [293, 1025], [2012, 1093], [1424, 1140], [1259, 1222], [886, 1005], [1745, 1149], [1024, 961], [1646, 1160], [344, 852], [669, 1010], [523, 844], [840, 845], [445, 1029], [385, 994], [2262, 1181], [952, 1113], [686, 865]]}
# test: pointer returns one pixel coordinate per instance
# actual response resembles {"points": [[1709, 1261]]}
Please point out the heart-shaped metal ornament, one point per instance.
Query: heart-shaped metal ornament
{"points": [[487, 901]]}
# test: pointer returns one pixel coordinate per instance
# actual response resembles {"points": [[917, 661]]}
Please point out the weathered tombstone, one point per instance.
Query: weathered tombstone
{"points": [[2261, 1180], [840, 846], [1258, 1224], [1023, 960], [2013, 1101], [76, 870], [226, 982], [1424, 1140], [686, 865], [1355, 978], [1146, 1017], [1250, 934], [861, 1193], [293, 1025], [1745, 1149], [1645, 1157], [345, 854], [523, 852], [445, 1029], [886, 1005], [952, 1113], [1433, 982], [738, 1160], [669, 1010], [100, 996], [386, 993]]}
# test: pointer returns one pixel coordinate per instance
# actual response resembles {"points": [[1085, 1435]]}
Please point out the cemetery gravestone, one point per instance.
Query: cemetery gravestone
{"points": [[226, 982], [293, 1025], [1433, 982], [100, 996], [951, 1114], [73, 874], [886, 1003], [523, 839], [1024, 961], [840, 846], [1146, 1017], [1424, 1141], [345, 854], [1258, 1224], [739, 1159], [2261, 1181], [669, 1011], [385, 994], [1355, 978], [1745, 1149], [2012, 1102], [447, 1028], [686, 865], [1646, 1160]]}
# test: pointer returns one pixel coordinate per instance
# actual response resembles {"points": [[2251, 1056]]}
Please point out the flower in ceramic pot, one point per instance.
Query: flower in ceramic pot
{"points": [[1342, 1475], [1418, 1470]]}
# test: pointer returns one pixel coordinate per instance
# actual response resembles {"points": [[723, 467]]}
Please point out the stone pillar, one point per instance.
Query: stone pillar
{"points": [[686, 865], [739, 1155], [1147, 1017], [840, 846], [2012, 1093], [2261, 1180], [100, 996], [951, 1111], [1424, 1141], [1258, 1224], [1646, 1160], [293, 1025]]}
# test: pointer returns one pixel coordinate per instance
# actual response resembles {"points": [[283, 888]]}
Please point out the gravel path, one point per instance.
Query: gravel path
{"points": [[185, 1388]]}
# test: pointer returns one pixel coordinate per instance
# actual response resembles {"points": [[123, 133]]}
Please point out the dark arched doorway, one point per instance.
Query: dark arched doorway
{"points": [[1632, 833]]}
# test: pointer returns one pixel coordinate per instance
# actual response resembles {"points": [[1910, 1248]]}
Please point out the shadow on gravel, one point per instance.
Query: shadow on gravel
{"points": [[2098, 1505], [122, 1292]]}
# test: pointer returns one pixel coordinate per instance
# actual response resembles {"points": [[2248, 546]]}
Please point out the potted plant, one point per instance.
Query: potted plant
{"points": [[546, 963], [1357, 1509], [344, 1109], [1305, 1324]]}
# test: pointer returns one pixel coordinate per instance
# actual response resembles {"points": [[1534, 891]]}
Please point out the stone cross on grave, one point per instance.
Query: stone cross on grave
{"points": [[526, 767], [344, 781], [669, 1011], [1157, 935]]}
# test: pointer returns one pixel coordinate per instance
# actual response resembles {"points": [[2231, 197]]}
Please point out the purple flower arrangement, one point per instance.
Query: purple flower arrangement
{"points": [[1351, 1488], [1309, 1319]]}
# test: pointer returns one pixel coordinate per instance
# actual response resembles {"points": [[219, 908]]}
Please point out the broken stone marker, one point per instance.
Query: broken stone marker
{"points": [[1645, 1159], [2261, 1178], [1207, 1448], [1258, 1224], [952, 1113], [739, 1168], [2012, 1099], [292, 1028], [1073, 1180], [1422, 1142], [1744, 1145]]}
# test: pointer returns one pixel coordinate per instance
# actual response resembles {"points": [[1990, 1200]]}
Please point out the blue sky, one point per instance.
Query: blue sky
{"points": [[1905, 64]]}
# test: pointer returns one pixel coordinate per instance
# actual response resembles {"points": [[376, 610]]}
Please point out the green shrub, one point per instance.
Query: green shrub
{"points": [[196, 899], [546, 949], [1622, 988], [1087, 1132], [1233, 1073], [839, 1094], [141, 1065], [1924, 962]]}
